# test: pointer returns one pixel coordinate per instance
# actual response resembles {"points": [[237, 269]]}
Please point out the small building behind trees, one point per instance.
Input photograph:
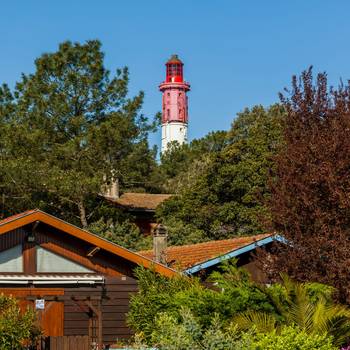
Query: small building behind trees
{"points": [[142, 206]]}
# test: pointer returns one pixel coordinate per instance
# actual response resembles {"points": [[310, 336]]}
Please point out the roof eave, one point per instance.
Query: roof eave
{"points": [[234, 253], [79, 233]]}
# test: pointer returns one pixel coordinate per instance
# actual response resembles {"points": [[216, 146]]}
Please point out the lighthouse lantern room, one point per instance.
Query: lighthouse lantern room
{"points": [[175, 104]]}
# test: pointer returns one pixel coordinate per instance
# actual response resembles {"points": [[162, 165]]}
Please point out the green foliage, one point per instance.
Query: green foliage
{"points": [[186, 332], [225, 196], [291, 338], [233, 293], [182, 164], [307, 306], [234, 311], [180, 233], [69, 128], [124, 233], [17, 328]]}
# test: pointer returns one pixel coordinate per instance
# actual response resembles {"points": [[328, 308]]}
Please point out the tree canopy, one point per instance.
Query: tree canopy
{"points": [[310, 186], [68, 129], [223, 191]]}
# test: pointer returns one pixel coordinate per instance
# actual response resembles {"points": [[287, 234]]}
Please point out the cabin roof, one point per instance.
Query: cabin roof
{"points": [[31, 216], [140, 201], [195, 257]]}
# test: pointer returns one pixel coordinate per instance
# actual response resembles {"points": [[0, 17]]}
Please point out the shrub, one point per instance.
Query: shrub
{"points": [[235, 300], [234, 293], [291, 338], [307, 306], [16, 328], [186, 333]]}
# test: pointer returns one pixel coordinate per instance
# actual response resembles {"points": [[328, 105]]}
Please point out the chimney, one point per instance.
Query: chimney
{"points": [[114, 189], [160, 237], [111, 190]]}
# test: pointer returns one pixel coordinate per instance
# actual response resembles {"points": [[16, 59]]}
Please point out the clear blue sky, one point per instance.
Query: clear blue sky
{"points": [[237, 53]]}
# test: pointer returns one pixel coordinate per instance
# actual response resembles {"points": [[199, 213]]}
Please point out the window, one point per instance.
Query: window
{"points": [[11, 260], [47, 261], [174, 69]]}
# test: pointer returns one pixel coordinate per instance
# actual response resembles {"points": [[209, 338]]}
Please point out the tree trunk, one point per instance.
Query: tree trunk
{"points": [[82, 214]]}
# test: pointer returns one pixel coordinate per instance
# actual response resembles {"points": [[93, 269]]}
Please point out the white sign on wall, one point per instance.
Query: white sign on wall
{"points": [[40, 304]]}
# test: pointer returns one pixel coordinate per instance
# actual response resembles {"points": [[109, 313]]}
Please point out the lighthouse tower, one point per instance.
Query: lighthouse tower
{"points": [[175, 108]]}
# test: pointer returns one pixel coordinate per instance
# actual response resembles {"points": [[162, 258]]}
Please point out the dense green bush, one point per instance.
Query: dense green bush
{"points": [[186, 333], [309, 306], [291, 338], [16, 328], [231, 308], [233, 293]]}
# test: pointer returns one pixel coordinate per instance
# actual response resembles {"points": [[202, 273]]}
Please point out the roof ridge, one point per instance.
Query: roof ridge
{"points": [[173, 247]]}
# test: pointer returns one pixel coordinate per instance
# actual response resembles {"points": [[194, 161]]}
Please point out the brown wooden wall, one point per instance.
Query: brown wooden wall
{"points": [[115, 305], [114, 294], [63, 244]]}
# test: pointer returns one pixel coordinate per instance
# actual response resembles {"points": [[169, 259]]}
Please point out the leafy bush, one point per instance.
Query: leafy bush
{"points": [[291, 338], [235, 302], [308, 306], [187, 333], [16, 328], [233, 293]]}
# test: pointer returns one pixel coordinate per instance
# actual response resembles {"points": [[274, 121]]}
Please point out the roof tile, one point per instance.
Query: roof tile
{"points": [[144, 201], [187, 256]]}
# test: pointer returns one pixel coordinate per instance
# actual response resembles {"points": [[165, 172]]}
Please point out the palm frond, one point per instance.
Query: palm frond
{"points": [[261, 321]]}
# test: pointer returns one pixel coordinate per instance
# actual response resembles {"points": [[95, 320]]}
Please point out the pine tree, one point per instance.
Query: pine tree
{"points": [[71, 127]]}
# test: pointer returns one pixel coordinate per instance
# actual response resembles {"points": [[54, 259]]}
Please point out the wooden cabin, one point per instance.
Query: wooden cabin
{"points": [[79, 283]]}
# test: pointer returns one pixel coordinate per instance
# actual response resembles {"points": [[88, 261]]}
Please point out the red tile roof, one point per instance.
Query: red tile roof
{"points": [[140, 201], [183, 257]]}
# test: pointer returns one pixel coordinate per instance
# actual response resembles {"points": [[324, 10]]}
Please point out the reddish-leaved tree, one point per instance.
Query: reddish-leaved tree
{"points": [[310, 185]]}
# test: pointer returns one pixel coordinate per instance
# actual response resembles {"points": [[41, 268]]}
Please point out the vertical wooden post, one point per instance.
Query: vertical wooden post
{"points": [[99, 320], [98, 315], [29, 258]]}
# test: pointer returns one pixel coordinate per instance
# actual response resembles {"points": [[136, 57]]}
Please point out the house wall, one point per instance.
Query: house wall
{"points": [[115, 304], [67, 246], [114, 293]]}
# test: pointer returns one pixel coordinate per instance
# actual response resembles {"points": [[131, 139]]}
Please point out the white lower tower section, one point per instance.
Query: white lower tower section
{"points": [[173, 131]]}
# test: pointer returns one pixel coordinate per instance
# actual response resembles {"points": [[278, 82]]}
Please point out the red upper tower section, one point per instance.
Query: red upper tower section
{"points": [[174, 89], [174, 70]]}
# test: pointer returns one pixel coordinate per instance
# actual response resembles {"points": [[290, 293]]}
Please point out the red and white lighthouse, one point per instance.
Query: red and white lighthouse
{"points": [[175, 104]]}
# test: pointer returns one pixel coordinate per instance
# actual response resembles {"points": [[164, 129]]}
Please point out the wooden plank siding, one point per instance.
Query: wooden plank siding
{"points": [[115, 296], [11, 239], [69, 343], [73, 306]]}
